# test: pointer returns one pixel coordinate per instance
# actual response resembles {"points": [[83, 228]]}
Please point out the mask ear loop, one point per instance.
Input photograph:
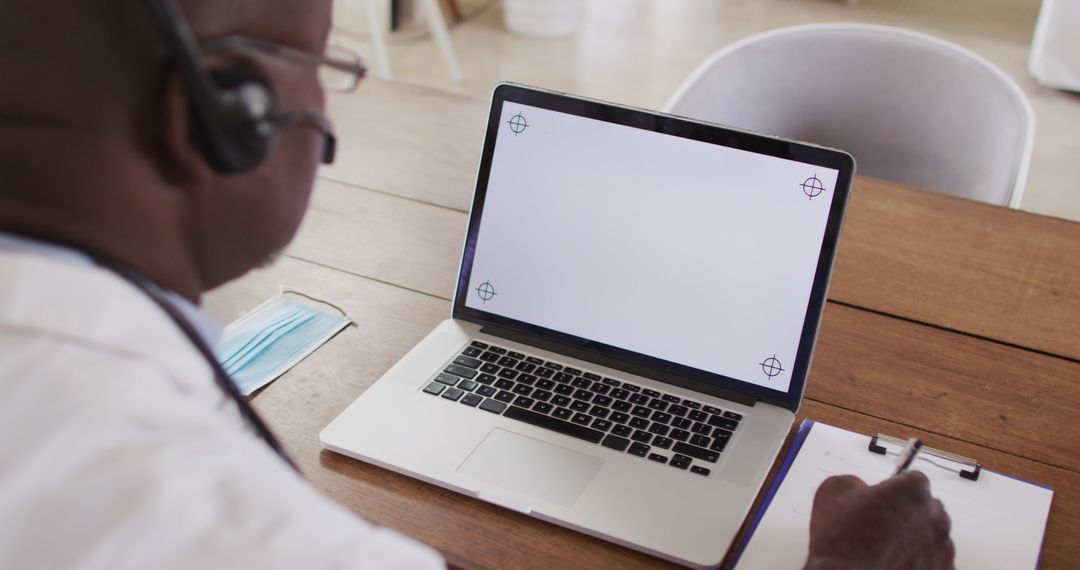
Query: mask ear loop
{"points": [[346, 308]]}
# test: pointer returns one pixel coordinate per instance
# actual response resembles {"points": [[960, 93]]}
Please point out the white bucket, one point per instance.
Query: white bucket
{"points": [[543, 18]]}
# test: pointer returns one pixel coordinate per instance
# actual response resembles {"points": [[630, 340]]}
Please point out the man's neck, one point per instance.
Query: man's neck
{"points": [[121, 210]]}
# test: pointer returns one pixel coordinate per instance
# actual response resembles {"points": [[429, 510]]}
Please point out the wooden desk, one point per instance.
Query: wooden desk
{"points": [[950, 320]]}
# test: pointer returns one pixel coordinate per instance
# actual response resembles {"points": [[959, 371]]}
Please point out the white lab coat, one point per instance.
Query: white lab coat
{"points": [[118, 451]]}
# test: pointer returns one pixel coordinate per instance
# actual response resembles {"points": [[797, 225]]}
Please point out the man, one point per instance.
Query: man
{"points": [[120, 448]]}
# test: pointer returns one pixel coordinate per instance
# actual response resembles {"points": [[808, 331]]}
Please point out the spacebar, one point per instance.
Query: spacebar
{"points": [[554, 424]]}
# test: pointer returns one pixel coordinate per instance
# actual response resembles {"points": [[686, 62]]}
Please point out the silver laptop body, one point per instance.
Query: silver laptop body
{"points": [[635, 316]]}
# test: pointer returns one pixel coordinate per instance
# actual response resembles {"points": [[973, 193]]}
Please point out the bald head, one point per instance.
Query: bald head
{"points": [[98, 148]]}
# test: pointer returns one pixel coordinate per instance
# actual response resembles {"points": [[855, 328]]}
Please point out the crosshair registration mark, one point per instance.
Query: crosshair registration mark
{"points": [[812, 187], [771, 367], [518, 124], [486, 291]]}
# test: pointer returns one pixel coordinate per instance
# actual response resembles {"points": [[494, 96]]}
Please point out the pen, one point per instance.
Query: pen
{"points": [[907, 456]]}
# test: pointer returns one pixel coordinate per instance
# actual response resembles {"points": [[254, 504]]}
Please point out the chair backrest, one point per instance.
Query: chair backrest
{"points": [[910, 107]]}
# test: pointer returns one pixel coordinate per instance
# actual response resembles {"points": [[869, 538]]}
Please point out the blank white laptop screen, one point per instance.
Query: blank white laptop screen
{"points": [[690, 252]]}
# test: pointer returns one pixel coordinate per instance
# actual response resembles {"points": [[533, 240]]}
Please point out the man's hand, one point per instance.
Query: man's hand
{"points": [[894, 524]]}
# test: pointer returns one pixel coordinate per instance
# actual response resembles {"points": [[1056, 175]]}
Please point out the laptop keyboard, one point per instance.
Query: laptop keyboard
{"points": [[664, 428]]}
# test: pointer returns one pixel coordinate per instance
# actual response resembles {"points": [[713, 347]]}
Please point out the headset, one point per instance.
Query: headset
{"points": [[233, 109]]}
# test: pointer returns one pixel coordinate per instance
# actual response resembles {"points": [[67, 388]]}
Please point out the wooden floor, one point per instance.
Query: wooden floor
{"points": [[637, 52]]}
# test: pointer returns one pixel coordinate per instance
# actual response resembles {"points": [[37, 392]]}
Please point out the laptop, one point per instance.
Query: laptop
{"points": [[635, 314]]}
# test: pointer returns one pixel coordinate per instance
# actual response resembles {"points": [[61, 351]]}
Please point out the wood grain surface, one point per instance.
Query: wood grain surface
{"points": [[949, 320]]}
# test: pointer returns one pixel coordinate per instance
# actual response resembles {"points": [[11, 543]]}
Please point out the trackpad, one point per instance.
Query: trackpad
{"points": [[531, 467]]}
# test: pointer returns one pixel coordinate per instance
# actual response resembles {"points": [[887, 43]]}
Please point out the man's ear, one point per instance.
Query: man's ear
{"points": [[180, 143]]}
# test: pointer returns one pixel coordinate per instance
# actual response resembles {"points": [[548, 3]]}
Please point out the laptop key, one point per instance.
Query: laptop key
{"points": [[591, 376], [600, 388], [700, 440], [504, 384], [642, 412], [712, 410], [461, 371], [563, 377], [467, 385], [680, 461], [489, 357], [619, 417], [721, 433], [485, 378], [579, 406], [696, 452], [733, 416], [527, 379], [622, 406], [508, 362], [671, 398], [639, 423], [718, 445], [560, 401], [682, 423], [639, 449], [508, 373], [639, 399], [564, 389], [504, 396], [721, 422], [698, 416], [580, 418], [492, 406], [601, 424], [490, 368], [651, 393], [542, 407], [612, 382], [542, 395], [545, 384], [615, 442], [659, 429], [486, 391], [448, 379], [662, 442], [478, 344], [602, 400], [691, 405], [526, 367], [599, 411], [662, 417], [562, 413], [468, 362], [534, 360], [471, 399], [624, 431], [657, 458], [497, 350], [544, 372], [658, 405], [573, 371], [434, 389], [580, 383], [631, 388], [516, 355], [554, 424], [524, 401], [678, 410], [472, 351], [452, 394], [701, 428], [700, 470], [642, 436], [679, 435], [620, 394], [553, 366], [523, 389]]}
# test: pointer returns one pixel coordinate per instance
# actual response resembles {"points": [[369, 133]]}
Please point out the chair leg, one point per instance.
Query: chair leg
{"points": [[437, 25], [378, 37]]}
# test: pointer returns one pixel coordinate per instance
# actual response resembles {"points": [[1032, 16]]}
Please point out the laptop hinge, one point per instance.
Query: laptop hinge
{"points": [[618, 364]]}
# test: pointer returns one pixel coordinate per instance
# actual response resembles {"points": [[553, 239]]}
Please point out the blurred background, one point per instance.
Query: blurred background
{"points": [[637, 52]]}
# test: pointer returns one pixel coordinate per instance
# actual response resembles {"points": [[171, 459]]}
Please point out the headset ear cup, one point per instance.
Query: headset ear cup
{"points": [[237, 135]]}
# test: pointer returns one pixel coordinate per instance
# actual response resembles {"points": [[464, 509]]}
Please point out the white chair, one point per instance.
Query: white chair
{"points": [[436, 25], [910, 107]]}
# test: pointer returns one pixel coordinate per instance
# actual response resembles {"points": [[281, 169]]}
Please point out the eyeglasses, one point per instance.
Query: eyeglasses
{"points": [[340, 69]]}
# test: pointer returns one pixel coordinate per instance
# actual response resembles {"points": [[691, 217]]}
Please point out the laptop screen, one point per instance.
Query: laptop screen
{"points": [[682, 250]]}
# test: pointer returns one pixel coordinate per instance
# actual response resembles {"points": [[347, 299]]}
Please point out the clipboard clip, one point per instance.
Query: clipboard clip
{"points": [[972, 467]]}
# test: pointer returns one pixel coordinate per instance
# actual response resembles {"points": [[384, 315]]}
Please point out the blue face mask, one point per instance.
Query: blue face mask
{"points": [[268, 341]]}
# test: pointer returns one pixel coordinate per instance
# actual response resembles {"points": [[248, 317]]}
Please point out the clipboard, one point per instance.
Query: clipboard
{"points": [[998, 521]]}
